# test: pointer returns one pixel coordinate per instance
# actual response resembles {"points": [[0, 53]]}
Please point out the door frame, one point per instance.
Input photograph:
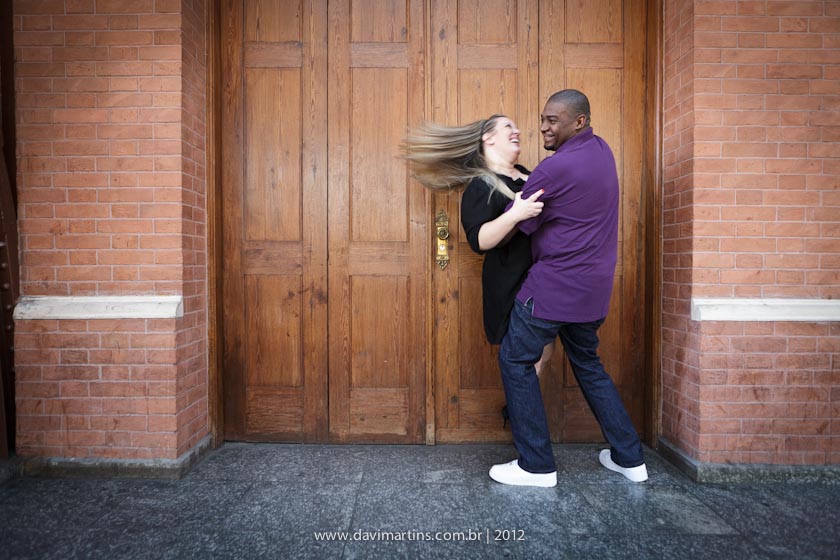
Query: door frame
{"points": [[652, 166], [215, 254], [652, 199], [10, 273]]}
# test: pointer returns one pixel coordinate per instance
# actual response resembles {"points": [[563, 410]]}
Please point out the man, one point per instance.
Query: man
{"points": [[566, 294]]}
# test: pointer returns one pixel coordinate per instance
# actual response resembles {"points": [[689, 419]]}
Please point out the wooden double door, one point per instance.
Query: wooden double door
{"points": [[337, 324]]}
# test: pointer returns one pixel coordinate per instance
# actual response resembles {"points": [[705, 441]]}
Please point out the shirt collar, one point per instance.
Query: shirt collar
{"points": [[577, 139]]}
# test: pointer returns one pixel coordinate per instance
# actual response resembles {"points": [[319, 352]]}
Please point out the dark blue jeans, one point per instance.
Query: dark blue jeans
{"points": [[521, 349]]}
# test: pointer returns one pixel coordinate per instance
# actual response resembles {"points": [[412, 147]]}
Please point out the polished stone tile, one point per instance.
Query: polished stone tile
{"points": [[173, 543], [440, 464], [181, 544], [641, 508], [37, 543], [471, 509], [565, 547], [294, 510], [821, 500], [790, 516], [459, 464], [54, 504], [658, 546], [413, 507], [525, 513], [784, 548], [426, 549], [187, 503], [268, 501], [284, 463], [579, 464], [126, 543]]}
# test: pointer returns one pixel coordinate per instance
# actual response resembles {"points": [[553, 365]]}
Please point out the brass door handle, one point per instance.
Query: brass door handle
{"points": [[442, 252]]}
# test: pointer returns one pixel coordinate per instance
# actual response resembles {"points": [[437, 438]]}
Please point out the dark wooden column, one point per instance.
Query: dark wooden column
{"points": [[9, 269]]}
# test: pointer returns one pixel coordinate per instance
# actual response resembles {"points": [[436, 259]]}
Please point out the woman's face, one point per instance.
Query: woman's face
{"points": [[503, 140]]}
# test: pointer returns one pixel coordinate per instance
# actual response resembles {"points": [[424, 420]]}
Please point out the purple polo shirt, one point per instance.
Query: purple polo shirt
{"points": [[574, 240]]}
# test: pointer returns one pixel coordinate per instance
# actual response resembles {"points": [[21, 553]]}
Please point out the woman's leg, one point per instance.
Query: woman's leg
{"points": [[546, 356]]}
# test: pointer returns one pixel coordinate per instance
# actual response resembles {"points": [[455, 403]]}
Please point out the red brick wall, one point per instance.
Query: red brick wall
{"points": [[103, 388], [99, 143], [111, 140], [767, 134], [770, 393], [192, 351], [751, 210], [680, 372]]}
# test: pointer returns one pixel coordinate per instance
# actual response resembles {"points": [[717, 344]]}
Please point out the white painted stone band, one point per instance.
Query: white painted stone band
{"points": [[99, 307], [749, 309]]}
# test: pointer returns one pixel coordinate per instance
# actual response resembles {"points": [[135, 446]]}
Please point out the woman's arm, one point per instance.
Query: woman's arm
{"points": [[497, 232]]}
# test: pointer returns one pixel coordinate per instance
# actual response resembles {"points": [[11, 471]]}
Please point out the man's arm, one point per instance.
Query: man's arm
{"points": [[538, 181]]}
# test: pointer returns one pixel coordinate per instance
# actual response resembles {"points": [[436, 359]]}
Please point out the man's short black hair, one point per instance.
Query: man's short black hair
{"points": [[574, 100]]}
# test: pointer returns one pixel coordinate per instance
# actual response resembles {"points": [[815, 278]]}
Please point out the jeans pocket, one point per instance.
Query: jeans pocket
{"points": [[529, 314], [529, 305]]}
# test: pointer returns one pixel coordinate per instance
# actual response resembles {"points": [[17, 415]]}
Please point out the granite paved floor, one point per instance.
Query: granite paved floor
{"points": [[271, 501]]}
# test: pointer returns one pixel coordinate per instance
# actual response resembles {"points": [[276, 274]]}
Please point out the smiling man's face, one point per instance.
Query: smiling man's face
{"points": [[558, 124]]}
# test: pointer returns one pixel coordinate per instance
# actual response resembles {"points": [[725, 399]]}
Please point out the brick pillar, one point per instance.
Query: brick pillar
{"points": [[751, 338], [680, 372], [111, 175]]}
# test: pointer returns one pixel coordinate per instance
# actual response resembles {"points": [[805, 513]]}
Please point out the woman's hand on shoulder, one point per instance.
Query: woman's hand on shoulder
{"points": [[524, 208]]}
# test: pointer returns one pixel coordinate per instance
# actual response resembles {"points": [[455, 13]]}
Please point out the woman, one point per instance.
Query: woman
{"points": [[484, 154]]}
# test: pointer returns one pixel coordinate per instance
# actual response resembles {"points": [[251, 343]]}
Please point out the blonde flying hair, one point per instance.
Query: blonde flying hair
{"points": [[446, 157]]}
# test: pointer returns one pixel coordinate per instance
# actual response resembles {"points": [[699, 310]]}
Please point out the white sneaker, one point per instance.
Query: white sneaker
{"points": [[511, 473], [636, 474]]}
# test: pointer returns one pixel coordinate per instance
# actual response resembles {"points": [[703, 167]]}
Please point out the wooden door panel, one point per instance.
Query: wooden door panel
{"points": [[268, 21], [578, 425], [592, 46], [479, 367], [274, 277], [479, 411], [594, 21], [274, 413], [272, 144], [487, 21], [484, 57], [379, 199], [378, 233], [332, 303], [378, 21], [380, 413], [602, 56], [483, 92], [610, 333], [380, 333], [273, 316]]}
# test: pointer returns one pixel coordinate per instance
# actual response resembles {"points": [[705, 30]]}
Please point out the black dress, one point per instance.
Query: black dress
{"points": [[505, 266]]}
